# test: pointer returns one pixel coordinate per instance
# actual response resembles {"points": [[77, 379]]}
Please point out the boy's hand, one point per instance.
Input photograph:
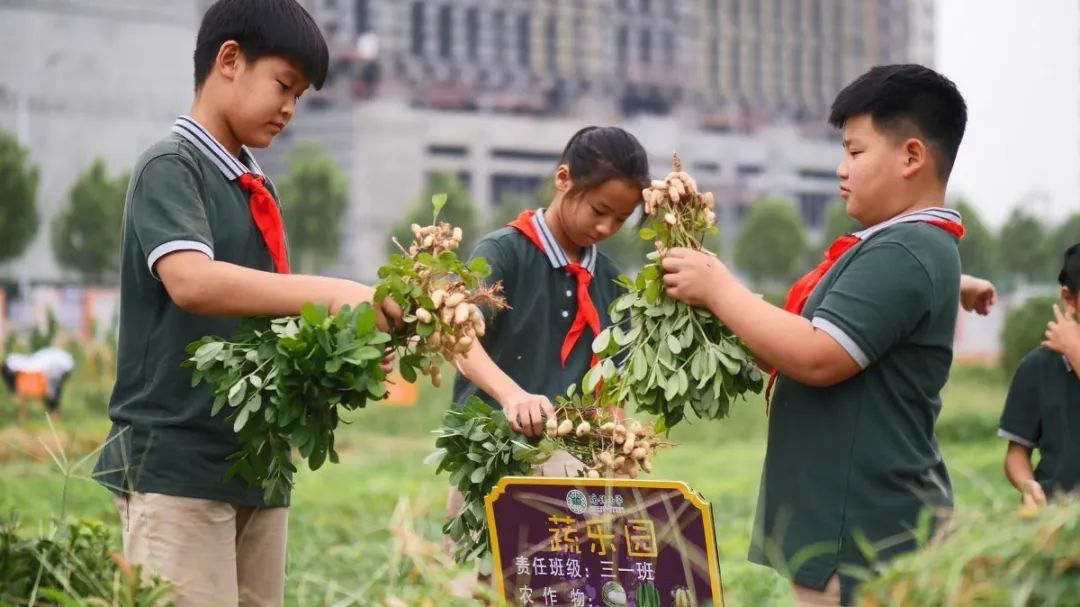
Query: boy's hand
{"points": [[526, 412], [1063, 333], [694, 277], [389, 315], [388, 361], [1033, 494], [351, 294], [977, 295]]}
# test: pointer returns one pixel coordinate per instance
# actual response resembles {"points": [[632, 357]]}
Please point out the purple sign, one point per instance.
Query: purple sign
{"points": [[579, 542]]}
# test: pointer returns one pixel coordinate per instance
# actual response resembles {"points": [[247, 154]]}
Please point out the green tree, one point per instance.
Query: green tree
{"points": [[459, 211], [771, 244], [837, 222], [1022, 246], [508, 211], [86, 234], [978, 247], [1024, 329], [545, 194], [512, 206], [627, 249], [314, 196], [1061, 238], [18, 195]]}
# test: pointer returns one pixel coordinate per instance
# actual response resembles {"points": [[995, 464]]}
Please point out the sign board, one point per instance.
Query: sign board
{"points": [[579, 542]]}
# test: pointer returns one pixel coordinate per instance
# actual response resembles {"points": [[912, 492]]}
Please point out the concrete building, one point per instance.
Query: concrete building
{"points": [[488, 89], [491, 90], [389, 151], [82, 79], [758, 57]]}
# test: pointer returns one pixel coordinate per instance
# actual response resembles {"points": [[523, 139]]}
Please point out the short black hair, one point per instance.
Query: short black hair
{"points": [[905, 98], [1070, 269], [597, 154], [280, 28]]}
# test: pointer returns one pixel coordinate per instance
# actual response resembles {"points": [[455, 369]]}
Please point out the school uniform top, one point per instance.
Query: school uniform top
{"points": [[525, 341], [183, 196], [859, 458], [1042, 412]]}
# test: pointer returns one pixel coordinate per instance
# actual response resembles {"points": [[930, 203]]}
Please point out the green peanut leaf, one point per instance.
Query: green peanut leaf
{"points": [[236, 393], [438, 201], [601, 342], [674, 344]]}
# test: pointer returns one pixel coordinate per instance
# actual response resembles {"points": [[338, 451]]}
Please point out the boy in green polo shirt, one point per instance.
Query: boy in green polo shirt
{"points": [[204, 246], [1042, 410], [863, 346]]}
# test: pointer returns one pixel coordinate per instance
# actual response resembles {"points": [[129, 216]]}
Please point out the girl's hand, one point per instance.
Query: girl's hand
{"points": [[526, 413]]}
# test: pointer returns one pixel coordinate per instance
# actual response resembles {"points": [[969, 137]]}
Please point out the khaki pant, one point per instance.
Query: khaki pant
{"points": [[215, 554], [829, 597]]}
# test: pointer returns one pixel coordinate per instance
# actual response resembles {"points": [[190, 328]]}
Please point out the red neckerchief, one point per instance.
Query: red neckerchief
{"points": [[267, 216]]}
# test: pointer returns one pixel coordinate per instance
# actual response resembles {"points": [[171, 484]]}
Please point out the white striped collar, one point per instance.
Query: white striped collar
{"points": [[930, 214], [556, 255], [230, 166]]}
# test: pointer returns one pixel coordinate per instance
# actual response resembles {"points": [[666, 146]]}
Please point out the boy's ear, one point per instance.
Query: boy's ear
{"points": [[229, 59], [916, 157]]}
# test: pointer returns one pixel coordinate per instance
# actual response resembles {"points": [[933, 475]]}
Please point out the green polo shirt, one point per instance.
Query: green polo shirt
{"points": [[1042, 412], [525, 341], [183, 196], [859, 458]]}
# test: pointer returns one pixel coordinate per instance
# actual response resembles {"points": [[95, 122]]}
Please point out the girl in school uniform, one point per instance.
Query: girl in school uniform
{"points": [[557, 284]]}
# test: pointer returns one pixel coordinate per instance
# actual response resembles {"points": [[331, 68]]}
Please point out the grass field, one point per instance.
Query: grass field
{"points": [[366, 531]]}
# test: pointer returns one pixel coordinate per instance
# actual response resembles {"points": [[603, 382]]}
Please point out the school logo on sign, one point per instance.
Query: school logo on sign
{"points": [[577, 501]]}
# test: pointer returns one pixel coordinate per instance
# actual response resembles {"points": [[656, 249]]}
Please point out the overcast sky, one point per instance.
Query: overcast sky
{"points": [[1017, 63]]}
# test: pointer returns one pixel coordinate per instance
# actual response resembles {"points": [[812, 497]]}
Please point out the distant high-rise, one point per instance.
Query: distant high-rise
{"points": [[486, 89], [489, 90], [763, 58]]}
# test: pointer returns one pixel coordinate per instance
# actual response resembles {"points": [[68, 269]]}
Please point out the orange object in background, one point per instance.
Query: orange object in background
{"points": [[400, 393], [31, 384]]}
